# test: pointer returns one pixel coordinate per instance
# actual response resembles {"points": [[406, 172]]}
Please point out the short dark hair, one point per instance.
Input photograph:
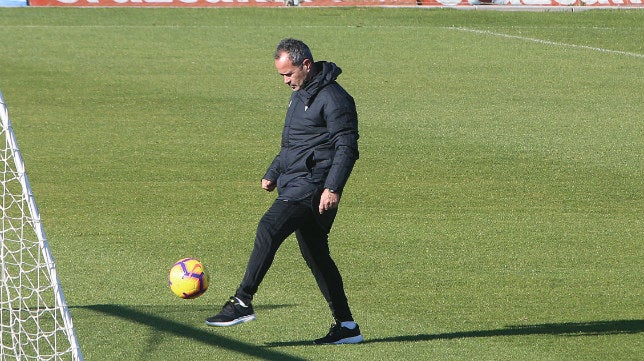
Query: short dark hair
{"points": [[296, 49]]}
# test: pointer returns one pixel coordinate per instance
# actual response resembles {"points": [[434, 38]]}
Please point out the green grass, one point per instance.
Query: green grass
{"points": [[495, 213]]}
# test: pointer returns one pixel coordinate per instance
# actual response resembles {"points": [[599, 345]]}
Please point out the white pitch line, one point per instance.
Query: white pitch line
{"points": [[547, 42]]}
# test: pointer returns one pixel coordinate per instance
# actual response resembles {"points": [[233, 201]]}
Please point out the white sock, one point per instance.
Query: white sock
{"points": [[348, 324]]}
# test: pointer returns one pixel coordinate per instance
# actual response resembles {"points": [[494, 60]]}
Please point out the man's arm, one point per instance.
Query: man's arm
{"points": [[269, 181], [342, 125]]}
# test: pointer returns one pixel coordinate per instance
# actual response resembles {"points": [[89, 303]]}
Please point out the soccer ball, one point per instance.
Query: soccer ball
{"points": [[187, 278]]}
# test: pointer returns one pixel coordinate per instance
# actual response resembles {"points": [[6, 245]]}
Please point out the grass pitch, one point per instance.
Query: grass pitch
{"points": [[495, 213]]}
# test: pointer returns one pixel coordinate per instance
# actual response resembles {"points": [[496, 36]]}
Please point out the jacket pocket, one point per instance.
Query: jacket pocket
{"points": [[322, 157], [321, 161]]}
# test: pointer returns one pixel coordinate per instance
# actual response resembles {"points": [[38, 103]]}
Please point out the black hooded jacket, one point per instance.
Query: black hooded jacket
{"points": [[320, 138]]}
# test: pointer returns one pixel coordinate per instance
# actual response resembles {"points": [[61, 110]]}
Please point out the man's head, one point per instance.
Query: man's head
{"points": [[294, 62]]}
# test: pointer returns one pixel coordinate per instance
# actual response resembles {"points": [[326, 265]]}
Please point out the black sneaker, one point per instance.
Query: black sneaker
{"points": [[234, 311], [339, 335]]}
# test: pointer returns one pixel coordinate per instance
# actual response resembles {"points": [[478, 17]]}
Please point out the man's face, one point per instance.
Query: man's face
{"points": [[294, 76]]}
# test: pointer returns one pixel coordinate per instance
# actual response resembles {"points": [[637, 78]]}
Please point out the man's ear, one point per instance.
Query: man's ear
{"points": [[307, 64]]}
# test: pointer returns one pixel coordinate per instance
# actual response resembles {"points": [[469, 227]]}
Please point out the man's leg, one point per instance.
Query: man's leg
{"points": [[276, 225], [279, 222], [313, 242]]}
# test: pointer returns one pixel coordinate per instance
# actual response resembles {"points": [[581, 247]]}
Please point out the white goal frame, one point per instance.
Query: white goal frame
{"points": [[35, 321]]}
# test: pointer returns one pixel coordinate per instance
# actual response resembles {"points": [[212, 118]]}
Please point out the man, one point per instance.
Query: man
{"points": [[319, 149]]}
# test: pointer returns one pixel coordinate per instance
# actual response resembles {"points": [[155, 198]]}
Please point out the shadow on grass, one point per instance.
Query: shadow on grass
{"points": [[562, 329], [192, 332], [264, 353]]}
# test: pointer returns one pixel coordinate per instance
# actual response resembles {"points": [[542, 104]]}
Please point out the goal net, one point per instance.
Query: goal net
{"points": [[35, 323]]}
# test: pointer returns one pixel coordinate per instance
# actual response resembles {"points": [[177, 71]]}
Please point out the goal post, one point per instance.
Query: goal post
{"points": [[35, 322]]}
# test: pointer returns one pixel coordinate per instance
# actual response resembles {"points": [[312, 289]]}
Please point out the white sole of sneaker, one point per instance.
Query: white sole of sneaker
{"points": [[233, 322], [348, 340]]}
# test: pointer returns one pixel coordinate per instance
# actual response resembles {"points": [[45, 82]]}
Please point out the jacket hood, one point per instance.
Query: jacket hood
{"points": [[327, 73]]}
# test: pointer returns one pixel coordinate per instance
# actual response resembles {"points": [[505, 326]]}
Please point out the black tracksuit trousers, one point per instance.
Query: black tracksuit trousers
{"points": [[312, 232]]}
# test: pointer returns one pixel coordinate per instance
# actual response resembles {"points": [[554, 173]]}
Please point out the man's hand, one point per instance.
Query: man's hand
{"points": [[328, 201], [268, 185]]}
